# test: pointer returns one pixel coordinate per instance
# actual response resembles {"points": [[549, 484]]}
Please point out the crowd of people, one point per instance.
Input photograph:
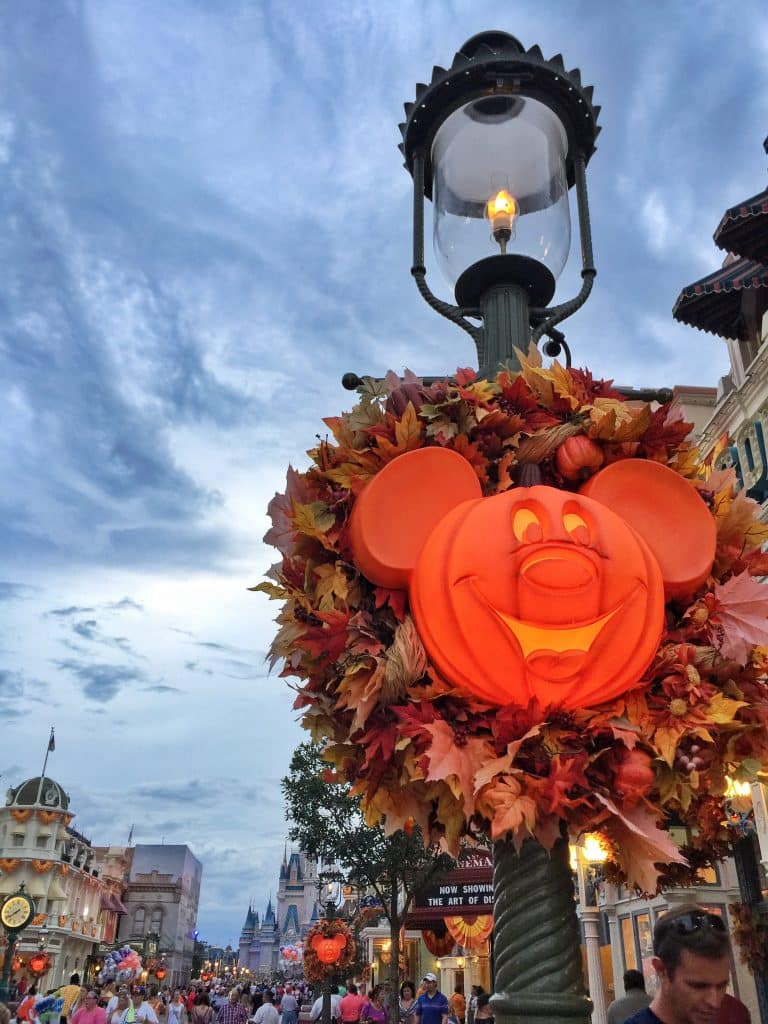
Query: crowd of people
{"points": [[691, 961]]}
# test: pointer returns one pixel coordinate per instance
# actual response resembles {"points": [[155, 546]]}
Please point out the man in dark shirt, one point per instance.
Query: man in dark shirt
{"points": [[692, 962], [432, 1006], [635, 998]]}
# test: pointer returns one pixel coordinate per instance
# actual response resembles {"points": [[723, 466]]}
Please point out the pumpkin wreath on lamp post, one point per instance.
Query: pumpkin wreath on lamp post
{"points": [[414, 553], [328, 947]]}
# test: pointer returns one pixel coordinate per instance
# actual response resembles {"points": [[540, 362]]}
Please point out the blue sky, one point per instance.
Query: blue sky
{"points": [[204, 222]]}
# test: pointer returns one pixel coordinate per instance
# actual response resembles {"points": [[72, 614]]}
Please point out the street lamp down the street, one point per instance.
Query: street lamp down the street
{"points": [[495, 142]]}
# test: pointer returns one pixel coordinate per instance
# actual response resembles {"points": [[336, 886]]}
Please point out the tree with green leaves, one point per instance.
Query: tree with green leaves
{"points": [[327, 823]]}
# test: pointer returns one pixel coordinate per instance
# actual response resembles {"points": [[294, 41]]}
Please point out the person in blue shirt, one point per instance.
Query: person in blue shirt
{"points": [[692, 962], [432, 1006]]}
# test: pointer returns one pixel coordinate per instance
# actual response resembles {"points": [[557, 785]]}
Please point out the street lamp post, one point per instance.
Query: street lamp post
{"points": [[328, 885], [588, 854], [496, 141]]}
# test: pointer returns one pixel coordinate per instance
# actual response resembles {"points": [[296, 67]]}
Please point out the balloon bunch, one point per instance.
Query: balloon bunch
{"points": [[123, 964], [293, 953]]}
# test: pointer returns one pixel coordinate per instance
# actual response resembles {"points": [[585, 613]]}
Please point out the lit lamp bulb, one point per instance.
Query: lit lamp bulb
{"points": [[501, 210], [593, 849]]}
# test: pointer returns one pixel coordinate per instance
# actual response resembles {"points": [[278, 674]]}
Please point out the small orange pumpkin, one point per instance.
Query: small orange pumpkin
{"points": [[578, 457], [634, 776]]}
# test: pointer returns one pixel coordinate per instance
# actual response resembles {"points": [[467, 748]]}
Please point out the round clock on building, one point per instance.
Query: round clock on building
{"points": [[17, 911]]}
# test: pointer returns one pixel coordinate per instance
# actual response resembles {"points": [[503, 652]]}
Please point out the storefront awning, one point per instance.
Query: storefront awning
{"points": [[744, 229], [713, 304]]}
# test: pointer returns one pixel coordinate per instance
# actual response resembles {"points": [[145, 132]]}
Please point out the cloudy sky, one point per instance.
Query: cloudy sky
{"points": [[204, 222]]}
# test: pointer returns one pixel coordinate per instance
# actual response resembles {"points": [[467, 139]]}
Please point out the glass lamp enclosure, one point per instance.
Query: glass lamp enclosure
{"points": [[499, 185]]}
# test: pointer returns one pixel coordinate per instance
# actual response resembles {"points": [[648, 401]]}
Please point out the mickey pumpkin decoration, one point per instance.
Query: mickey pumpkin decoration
{"points": [[329, 947], [534, 592], [329, 950]]}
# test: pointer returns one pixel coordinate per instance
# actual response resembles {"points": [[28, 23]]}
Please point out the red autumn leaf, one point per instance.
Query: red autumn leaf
{"points": [[556, 790], [378, 742], [741, 610], [586, 388], [667, 429], [326, 642], [396, 599], [517, 397], [465, 375]]}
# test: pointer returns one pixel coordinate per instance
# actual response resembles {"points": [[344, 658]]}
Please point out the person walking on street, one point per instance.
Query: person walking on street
{"points": [[432, 1006], [351, 1005], [635, 998], [289, 1007], [233, 1011], [90, 1012], [458, 1004], [267, 1012], [693, 964], [407, 999]]}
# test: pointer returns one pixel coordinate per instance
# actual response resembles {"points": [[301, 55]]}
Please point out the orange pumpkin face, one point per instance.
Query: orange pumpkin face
{"points": [[329, 950], [537, 593]]}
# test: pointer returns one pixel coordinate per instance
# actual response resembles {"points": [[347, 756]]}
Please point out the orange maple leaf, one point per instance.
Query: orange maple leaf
{"points": [[640, 845], [513, 810], [456, 765]]}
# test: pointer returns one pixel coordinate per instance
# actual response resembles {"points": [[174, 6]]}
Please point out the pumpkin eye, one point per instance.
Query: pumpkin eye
{"points": [[576, 527], [526, 526]]}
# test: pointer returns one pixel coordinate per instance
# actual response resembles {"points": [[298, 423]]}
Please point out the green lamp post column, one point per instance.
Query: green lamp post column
{"points": [[496, 141], [16, 912]]}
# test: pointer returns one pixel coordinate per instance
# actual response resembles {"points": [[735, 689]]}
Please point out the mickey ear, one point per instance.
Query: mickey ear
{"points": [[398, 509], [667, 512]]}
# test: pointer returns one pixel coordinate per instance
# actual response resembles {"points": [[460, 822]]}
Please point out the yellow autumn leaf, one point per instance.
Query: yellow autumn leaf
{"points": [[312, 519], [617, 421], [723, 710], [408, 430], [665, 739], [332, 585]]}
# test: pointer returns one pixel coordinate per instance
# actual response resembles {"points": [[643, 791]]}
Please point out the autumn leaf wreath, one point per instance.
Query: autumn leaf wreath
{"points": [[420, 750]]}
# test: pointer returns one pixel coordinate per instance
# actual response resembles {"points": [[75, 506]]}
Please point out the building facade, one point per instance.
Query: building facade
{"points": [[161, 899], [77, 896]]}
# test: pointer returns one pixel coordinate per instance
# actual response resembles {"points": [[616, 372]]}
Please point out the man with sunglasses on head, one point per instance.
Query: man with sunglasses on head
{"points": [[692, 960]]}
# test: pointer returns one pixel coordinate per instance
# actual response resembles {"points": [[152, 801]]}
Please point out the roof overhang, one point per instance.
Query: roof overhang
{"points": [[713, 304], [744, 228]]}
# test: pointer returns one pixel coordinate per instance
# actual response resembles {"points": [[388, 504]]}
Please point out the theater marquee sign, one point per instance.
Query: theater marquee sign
{"points": [[465, 891]]}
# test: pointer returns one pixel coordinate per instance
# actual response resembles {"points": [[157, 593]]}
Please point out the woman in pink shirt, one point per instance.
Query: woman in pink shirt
{"points": [[89, 1011]]}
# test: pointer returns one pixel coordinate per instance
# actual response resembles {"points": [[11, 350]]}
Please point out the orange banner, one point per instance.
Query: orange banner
{"points": [[470, 932]]}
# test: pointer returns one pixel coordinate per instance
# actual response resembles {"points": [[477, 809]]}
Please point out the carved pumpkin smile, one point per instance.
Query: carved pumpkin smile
{"points": [[538, 642]]}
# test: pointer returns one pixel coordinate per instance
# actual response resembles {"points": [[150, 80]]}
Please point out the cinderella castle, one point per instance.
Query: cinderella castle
{"points": [[296, 911]]}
